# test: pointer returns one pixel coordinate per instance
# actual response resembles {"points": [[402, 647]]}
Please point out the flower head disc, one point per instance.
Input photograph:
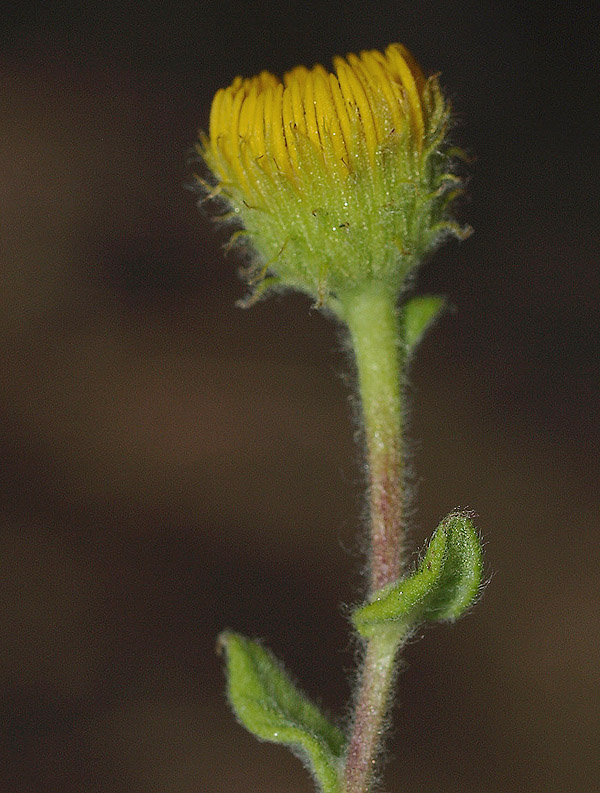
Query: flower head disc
{"points": [[338, 179]]}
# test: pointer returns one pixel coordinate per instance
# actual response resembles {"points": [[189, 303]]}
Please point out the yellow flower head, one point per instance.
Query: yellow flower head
{"points": [[336, 178]]}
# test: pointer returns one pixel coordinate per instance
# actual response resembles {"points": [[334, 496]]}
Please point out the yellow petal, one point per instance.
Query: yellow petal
{"points": [[327, 120], [312, 127], [396, 55], [355, 96]]}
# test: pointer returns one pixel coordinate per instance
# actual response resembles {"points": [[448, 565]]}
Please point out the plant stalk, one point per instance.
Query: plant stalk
{"points": [[372, 319]]}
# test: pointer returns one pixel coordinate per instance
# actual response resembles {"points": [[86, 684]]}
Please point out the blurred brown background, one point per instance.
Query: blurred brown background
{"points": [[172, 465]]}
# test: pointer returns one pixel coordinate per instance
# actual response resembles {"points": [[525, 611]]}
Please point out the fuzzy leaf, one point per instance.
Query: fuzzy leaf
{"points": [[401, 602], [460, 578], [270, 706], [420, 313], [444, 585]]}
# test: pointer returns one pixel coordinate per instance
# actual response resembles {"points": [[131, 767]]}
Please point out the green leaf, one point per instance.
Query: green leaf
{"points": [[270, 706], [420, 313], [460, 579], [401, 602], [444, 585]]}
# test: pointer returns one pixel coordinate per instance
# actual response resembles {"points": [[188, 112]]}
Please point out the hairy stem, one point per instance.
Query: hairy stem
{"points": [[372, 319]]}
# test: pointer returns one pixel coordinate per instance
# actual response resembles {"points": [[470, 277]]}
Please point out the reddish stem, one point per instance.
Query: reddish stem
{"points": [[374, 326]]}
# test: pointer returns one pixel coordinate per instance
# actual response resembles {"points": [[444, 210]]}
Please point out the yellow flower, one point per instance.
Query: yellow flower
{"points": [[337, 178]]}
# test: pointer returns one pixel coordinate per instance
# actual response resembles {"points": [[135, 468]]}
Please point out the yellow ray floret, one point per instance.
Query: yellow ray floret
{"points": [[263, 124]]}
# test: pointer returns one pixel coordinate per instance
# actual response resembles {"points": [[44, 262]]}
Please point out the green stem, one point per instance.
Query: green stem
{"points": [[372, 319]]}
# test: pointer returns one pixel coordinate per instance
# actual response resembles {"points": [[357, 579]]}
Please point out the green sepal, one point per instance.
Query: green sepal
{"points": [[444, 585], [268, 704], [420, 314]]}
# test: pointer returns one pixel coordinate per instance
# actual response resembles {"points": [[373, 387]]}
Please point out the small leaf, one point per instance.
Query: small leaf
{"points": [[460, 578], [420, 313], [401, 601], [444, 585], [270, 706]]}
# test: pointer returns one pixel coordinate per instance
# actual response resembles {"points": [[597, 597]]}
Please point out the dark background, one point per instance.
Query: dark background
{"points": [[172, 465]]}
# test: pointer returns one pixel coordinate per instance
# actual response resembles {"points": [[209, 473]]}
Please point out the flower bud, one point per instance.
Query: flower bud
{"points": [[336, 180]]}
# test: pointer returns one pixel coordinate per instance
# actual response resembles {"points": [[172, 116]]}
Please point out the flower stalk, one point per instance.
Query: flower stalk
{"points": [[370, 711], [372, 319]]}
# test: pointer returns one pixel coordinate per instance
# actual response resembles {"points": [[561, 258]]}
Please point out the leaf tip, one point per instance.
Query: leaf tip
{"points": [[421, 312]]}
